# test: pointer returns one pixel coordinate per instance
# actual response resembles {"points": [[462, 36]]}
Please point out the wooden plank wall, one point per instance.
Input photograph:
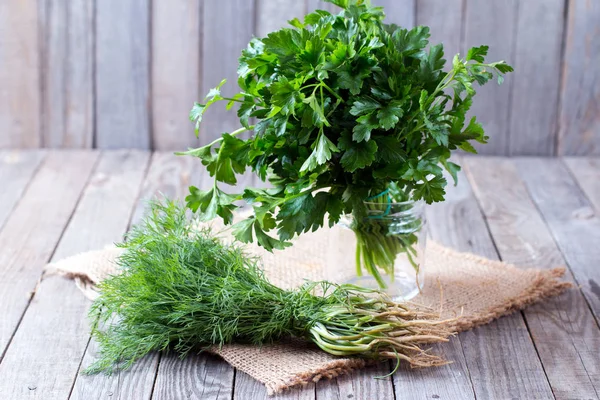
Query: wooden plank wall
{"points": [[124, 73]]}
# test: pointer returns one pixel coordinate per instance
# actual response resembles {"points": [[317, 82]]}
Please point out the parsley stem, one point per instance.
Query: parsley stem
{"points": [[234, 133]]}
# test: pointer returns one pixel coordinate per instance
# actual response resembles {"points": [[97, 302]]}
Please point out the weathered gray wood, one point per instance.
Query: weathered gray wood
{"points": [[19, 75], [220, 58], [203, 376], [534, 97], [399, 12], [67, 68], [586, 172], [579, 132], [274, 14], [563, 329], [492, 23], [169, 175], [445, 20], [176, 60], [501, 358], [17, 167], [55, 329], [312, 5], [359, 384], [34, 227], [246, 387], [571, 219], [122, 74], [450, 381]]}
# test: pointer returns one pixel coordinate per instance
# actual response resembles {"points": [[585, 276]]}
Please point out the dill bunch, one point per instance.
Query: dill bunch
{"points": [[181, 288]]}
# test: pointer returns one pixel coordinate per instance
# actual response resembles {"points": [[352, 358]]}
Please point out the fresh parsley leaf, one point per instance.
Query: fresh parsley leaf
{"points": [[340, 108]]}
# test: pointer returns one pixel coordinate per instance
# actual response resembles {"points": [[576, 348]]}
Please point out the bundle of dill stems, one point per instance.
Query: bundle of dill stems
{"points": [[182, 288]]}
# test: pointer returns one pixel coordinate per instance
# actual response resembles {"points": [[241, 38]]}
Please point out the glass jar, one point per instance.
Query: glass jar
{"points": [[390, 249]]}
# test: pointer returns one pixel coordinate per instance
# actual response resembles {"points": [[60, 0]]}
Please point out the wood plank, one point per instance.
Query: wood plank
{"points": [[399, 12], [490, 351], [563, 329], [203, 376], [176, 60], [68, 56], [274, 14], [168, 175], [19, 76], [571, 219], [450, 381], [586, 172], [534, 97], [122, 74], [220, 58], [17, 168], [579, 112], [493, 23], [247, 387], [445, 20], [55, 329], [359, 384], [30, 234], [312, 5]]}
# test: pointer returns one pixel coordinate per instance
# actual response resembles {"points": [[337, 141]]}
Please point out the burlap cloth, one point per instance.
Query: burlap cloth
{"points": [[477, 289]]}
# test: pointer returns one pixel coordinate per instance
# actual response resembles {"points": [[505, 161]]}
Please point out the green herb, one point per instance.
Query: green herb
{"points": [[182, 289], [343, 107]]}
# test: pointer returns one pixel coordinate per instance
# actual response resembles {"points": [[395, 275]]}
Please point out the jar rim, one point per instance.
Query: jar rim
{"points": [[399, 203]]}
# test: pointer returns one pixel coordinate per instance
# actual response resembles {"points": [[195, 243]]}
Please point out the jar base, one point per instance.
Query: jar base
{"points": [[401, 288]]}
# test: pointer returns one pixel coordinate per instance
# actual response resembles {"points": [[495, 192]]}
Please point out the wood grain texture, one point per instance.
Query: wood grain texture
{"points": [[399, 12], [55, 329], [501, 358], [586, 172], [492, 23], [570, 217], [30, 234], [445, 19], [563, 329], [122, 74], [312, 5], [247, 387], [579, 112], [67, 68], [17, 168], [450, 381], [220, 58], [168, 175], [274, 14], [176, 60], [534, 98], [358, 384], [202, 376], [20, 97]]}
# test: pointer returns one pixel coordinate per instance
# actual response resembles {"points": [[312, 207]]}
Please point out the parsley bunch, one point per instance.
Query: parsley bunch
{"points": [[342, 108]]}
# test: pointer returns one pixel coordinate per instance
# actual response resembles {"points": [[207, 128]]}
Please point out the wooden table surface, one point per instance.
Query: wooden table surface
{"points": [[528, 211]]}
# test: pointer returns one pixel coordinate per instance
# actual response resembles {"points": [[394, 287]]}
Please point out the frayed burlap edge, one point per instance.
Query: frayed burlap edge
{"points": [[329, 370], [543, 287]]}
